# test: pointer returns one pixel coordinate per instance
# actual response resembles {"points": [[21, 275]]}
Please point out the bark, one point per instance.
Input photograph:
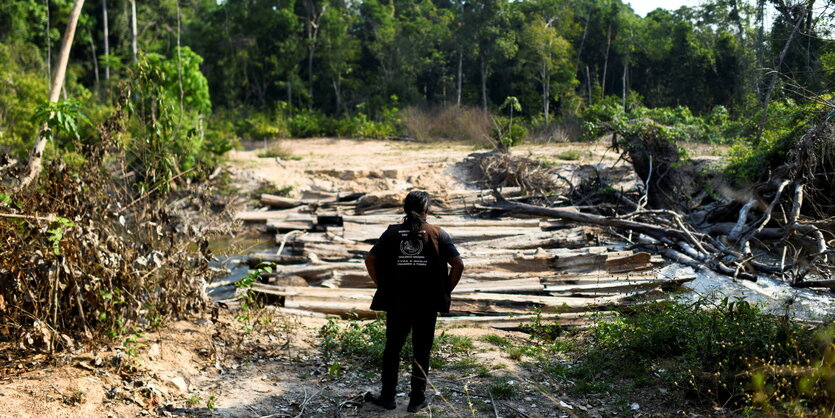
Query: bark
{"points": [[95, 62], [546, 91], [776, 73], [106, 39], [460, 75], [133, 32], [483, 67], [606, 63], [33, 167]]}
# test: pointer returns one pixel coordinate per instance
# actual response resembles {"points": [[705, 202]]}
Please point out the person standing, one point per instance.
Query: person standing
{"points": [[408, 265]]}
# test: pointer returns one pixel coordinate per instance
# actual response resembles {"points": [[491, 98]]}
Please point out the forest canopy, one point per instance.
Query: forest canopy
{"points": [[345, 68]]}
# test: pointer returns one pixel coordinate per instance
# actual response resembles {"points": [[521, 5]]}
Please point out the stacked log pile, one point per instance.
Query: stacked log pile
{"points": [[512, 265]]}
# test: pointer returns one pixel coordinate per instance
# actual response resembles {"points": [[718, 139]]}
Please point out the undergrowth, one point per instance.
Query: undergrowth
{"points": [[362, 342], [727, 353]]}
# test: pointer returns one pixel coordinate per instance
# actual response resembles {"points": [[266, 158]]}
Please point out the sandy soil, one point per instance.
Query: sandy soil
{"points": [[219, 366], [344, 166]]}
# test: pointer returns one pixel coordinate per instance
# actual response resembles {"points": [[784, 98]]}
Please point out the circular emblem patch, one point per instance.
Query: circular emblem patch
{"points": [[408, 247]]}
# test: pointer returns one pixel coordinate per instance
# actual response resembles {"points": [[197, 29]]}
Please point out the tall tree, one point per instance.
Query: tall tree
{"points": [[33, 167]]}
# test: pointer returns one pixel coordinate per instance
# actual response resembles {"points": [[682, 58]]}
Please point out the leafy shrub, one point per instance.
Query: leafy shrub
{"points": [[363, 343], [679, 122], [506, 133], [570, 155], [728, 351], [307, 124], [787, 123], [167, 141]]}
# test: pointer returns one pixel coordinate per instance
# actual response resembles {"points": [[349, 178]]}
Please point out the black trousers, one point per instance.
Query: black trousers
{"points": [[398, 325]]}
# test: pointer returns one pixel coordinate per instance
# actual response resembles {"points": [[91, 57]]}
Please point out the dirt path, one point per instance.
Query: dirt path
{"points": [[268, 363]]}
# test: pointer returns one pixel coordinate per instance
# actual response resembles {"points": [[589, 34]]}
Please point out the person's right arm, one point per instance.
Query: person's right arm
{"points": [[371, 265], [455, 272]]}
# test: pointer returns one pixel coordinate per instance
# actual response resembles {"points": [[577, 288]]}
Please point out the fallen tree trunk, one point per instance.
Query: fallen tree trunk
{"points": [[670, 237]]}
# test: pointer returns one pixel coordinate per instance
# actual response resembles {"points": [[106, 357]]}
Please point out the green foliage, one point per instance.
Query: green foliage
{"points": [[503, 388], [539, 329], [167, 138], [727, 351], [60, 118], [56, 233], [508, 133], [678, 124], [246, 296], [363, 342], [787, 123], [570, 155], [22, 88], [307, 124]]}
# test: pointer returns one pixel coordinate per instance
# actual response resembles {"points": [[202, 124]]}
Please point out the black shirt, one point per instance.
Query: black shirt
{"points": [[412, 275]]}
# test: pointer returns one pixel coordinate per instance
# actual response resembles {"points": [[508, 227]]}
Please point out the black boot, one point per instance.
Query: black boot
{"points": [[417, 402], [386, 403]]}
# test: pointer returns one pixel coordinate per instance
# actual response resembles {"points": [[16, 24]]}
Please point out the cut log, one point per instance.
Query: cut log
{"points": [[571, 319], [569, 238], [279, 202], [829, 284], [616, 286], [635, 262], [345, 301], [257, 259], [371, 232]]}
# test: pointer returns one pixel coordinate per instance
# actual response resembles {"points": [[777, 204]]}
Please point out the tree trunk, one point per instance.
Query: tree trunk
{"points": [[33, 167], [588, 83], [310, 50], [48, 45], [760, 46], [460, 75], [106, 40], [606, 63], [483, 66], [546, 92], [337, 92], [625, 70], [95, 63], [776, 73], [133, 32]]}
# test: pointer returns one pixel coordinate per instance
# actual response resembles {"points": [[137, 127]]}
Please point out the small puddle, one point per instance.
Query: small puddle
{"points": [[230, 255]]}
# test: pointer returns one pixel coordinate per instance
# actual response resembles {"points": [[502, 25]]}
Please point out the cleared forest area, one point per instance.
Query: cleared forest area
{"points": [[644, 204]]}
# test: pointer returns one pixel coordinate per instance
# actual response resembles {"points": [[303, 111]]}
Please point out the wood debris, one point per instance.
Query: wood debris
{"points": [[512, 265]]}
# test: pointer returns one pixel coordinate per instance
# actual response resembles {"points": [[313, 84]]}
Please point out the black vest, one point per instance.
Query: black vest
{"points": [[411, 274]]}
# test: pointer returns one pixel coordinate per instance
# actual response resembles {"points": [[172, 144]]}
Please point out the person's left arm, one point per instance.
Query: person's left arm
{"points": [[449, 253]]}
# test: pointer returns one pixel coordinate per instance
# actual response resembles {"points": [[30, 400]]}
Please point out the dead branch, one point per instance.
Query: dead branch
{"points": [[676, 240]]}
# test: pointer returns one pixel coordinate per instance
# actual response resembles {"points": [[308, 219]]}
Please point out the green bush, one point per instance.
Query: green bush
{"points": [[729, 351], [681, 124], [307, 124], [508, 134], [787, 122]]}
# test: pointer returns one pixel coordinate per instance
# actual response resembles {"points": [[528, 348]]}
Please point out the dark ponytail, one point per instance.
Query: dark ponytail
{"points": [[415, 205]]}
